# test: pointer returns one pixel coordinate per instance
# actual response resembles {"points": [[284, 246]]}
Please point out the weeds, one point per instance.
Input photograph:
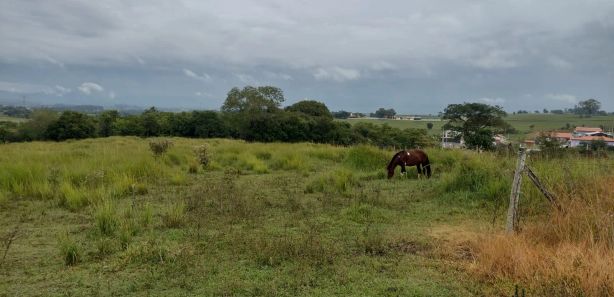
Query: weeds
{"points": [[174, 217], [570, 254], [7, 241], [106, 219], [203, 155], [70, 250]]}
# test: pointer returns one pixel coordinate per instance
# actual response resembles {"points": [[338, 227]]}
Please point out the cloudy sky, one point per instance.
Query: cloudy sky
{"points": [[415, 56]]}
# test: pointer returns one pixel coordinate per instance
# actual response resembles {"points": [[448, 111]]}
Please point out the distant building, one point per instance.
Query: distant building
{"points": [[452, 139], [581, 131], [355, 115], [583, 140], [528, 143], [406, 117], [580, 136], [500, 139], [586, 135]]}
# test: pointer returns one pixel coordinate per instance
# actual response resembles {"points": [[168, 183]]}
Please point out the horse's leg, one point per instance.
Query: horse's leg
{"points": [[403, 171], [419, 170]]}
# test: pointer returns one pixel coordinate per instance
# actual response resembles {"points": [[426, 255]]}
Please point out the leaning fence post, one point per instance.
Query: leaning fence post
{"points": [[533, 177], [512, 211]]}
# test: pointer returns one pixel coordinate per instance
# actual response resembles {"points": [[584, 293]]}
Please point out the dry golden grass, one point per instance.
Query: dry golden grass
{"points": [[570, 253]]}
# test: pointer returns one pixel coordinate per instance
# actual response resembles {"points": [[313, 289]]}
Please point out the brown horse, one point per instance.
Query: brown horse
{"points": [[416, 158]]}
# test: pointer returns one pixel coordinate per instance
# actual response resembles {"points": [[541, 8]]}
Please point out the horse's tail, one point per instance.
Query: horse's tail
{"points": [[427, 166]]}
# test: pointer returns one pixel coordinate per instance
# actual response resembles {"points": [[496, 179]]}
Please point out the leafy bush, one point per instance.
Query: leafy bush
{"points": [[160, 146]]}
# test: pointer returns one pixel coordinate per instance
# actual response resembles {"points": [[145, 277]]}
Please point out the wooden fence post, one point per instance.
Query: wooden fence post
{"points": [[512, 211]]}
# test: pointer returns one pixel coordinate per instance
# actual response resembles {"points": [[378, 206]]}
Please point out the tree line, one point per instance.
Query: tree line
{"points": [[250, 113]]}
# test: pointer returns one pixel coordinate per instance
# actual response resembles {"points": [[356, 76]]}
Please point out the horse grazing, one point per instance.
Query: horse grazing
{"points": [[416, 158]]}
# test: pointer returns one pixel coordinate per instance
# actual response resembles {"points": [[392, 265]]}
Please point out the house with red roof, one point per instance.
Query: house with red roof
{"points": [[582, 140]]}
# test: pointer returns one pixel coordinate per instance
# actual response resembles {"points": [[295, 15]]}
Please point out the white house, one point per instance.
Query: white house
{"points": [[452, 139], [581, 140]]}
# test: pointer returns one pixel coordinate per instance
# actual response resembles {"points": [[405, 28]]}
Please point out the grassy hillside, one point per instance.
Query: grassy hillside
{"points": [[522, 122], [106, 217]]}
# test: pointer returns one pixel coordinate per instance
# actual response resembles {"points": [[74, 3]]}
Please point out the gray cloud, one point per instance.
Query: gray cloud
{"points": [[192, 74], [445, 51], [90, 87], [567, 98]]}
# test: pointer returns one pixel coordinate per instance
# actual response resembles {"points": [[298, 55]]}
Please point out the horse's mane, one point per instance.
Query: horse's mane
{"points": [[392, 161]]}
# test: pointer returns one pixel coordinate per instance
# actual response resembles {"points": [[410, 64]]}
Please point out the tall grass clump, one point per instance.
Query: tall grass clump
{"points": [[289, 159], [340, 181], [106, 218], [174, 216], [76, 172], [364, 157], [70, 250], [483, 176], [566, 253], [71, 197], [249, 161]]}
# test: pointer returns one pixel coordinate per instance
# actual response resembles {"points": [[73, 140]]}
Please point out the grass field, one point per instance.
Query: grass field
{"points": [[104, 217], [522, 122], [4, 118]]}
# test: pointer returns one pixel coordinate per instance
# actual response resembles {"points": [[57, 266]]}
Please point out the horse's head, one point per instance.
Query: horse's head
{"points": [[394, 162], [390, 173]]}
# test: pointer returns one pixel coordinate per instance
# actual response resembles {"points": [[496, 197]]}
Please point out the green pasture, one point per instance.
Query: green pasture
{"points": [[105, 217], [4, 118], [524, 123]]}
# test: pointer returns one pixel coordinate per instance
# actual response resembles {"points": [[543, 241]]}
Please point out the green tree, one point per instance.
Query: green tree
{"points": [[429, 126], [252, 99], [150, 122], [476, 121], [37, 126], [129, 125], [71, 125], [310, 107], [342, 114], [105, 122], [384, 113], [207, 124], [588, 107]]}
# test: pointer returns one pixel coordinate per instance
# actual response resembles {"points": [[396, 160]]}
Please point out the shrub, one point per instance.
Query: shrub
{"points": [[203, 155], [160, 146]]}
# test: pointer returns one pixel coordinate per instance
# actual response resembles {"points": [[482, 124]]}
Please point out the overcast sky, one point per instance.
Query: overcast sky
{"points": [[414, 56]]}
